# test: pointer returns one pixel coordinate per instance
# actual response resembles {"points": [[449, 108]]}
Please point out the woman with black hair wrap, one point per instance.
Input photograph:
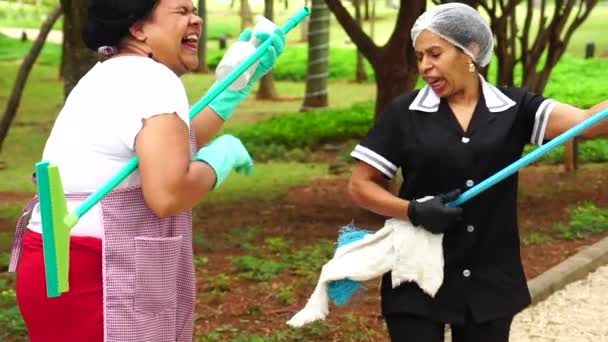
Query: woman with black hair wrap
{"points": [[131, 265]]}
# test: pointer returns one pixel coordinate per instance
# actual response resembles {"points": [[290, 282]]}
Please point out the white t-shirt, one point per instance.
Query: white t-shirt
{"points": [[94, 134]]}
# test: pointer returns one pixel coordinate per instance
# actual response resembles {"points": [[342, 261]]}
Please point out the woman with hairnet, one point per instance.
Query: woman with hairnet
{"points": [[455, 132]]}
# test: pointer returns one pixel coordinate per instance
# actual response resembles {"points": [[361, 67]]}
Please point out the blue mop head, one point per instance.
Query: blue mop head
{"points": [[341, 291]]}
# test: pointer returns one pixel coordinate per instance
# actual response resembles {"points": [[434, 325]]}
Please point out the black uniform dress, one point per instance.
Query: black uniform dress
{"points": [[419, 133]]}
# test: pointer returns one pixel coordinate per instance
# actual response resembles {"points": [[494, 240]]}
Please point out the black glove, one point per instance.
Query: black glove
{"points": [[433, 215]]}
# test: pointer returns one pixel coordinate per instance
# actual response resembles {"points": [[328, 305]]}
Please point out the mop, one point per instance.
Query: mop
{"points": [[341, 277], [57, 220]]}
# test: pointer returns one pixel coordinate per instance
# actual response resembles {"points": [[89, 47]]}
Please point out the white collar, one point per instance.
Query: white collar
{"points": [[496, 101]]}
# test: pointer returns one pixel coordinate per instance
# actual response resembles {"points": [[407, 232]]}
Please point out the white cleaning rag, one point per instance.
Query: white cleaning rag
{"points": [[411, 253]]}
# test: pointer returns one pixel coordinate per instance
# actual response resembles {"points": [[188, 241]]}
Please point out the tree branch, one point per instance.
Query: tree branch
{"points": [[365, 44], [24, 71]]}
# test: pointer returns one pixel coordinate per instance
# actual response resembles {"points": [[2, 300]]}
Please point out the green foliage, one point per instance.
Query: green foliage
{"points": [[590, 151], [200, 260], [10, 318], [222, 29], [13, 49], [242, 237], [293, 63], [312, 332], [255, 268], [308, 260], [200, 241], [219, 283], [584, 221], [534, 238], [5, 260], [216, 334], [26, 15], [275, 138], [578, 81], [305, 130], [278, 245], [268, 181], [344, 154], [286, 296], [10, 210], [305, 261]]}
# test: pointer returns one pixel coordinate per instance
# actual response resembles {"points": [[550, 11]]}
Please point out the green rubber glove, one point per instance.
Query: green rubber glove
{"points": [[223, 155], [225, 103]]}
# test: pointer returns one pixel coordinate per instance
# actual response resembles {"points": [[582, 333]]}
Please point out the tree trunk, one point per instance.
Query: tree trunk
{"points": [[519, 45], [360, 75], [246, 15], [394, 63], [24, 71], [304, 26], [317, 69], [202, 42], [267, 91], [77, 58], [61, 64], [394, 81], [372, 22]]}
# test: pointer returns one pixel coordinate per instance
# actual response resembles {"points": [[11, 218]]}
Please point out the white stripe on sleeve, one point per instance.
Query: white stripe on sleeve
{"points": [[541, 120], [374, 159]]}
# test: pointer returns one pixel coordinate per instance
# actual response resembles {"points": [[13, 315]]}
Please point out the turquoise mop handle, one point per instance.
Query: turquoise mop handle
{"points": [[215, 90], [529, 158], [218, 87]]}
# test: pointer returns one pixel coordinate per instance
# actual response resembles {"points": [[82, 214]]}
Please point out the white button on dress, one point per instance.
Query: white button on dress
{"points": [[465, 140], [470, 228], [466, 273], [470, 183]]}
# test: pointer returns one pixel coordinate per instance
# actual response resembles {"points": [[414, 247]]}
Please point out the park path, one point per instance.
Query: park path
{"points": [[55, 36], [576, 313]]}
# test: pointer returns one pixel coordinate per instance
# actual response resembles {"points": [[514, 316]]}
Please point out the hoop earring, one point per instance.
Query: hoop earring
{"points": [[471, 67]]}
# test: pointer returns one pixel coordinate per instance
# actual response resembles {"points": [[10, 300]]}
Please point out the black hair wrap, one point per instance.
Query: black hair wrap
{"points": [[108, 21]]}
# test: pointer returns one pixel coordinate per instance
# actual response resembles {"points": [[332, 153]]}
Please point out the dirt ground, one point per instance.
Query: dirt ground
{"points": [[233, 308], [316, 211]]}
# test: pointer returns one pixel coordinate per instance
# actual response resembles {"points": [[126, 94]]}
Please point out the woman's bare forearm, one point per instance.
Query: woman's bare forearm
{"points": [[601, 129], [193, 186], [206, 125], [372, 196]]}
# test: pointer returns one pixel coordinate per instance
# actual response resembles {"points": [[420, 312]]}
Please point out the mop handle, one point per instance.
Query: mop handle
{"points": [[215, 90], [529, 158]]}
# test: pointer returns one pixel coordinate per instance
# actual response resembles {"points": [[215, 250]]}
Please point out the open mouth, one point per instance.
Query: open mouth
{"points": [[436, 83], [190, 41]]}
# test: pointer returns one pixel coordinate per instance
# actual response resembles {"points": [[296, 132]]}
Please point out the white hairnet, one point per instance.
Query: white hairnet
{"points": [[461, 25]]}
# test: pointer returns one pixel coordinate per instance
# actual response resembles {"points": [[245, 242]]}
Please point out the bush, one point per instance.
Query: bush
{"points": [[292, 136], [589, 151], [577, 81], [292, 64], [273, 138], [10, 316], [584, 220]]}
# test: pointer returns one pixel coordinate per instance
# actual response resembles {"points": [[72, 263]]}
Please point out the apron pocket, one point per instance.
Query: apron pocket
{"points": [[156, 273]]}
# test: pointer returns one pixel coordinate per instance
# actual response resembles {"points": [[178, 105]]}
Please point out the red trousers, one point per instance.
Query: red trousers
{"points": [[74, 316]]}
